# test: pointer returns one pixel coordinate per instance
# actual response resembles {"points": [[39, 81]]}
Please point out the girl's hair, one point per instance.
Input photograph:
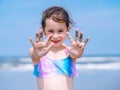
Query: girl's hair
{"points": [[57, 14]]}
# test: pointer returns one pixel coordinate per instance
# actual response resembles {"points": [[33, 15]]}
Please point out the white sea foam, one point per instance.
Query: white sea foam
{"points": [[108, 66], [19, 67], [99, 63], [98, 59], [91, 63]]}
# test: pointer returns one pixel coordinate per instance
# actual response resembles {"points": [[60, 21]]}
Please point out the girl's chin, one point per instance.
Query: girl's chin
{"points": [[57, 45]]}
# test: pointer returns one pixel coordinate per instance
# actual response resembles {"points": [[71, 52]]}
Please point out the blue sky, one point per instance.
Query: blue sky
{"points": [[98, 19]]}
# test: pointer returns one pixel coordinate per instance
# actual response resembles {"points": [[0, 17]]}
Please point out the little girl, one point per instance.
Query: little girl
{"points": [[53, 60]]}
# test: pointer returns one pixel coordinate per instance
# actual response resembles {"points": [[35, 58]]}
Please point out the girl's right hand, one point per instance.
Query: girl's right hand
{"points": [[41, 48]]}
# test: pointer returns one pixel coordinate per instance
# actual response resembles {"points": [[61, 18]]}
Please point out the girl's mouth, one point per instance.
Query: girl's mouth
{"points": [[55, 42]]}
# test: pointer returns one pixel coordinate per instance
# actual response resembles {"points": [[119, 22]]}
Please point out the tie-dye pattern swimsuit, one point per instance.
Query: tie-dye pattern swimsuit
{"points": [[48, 67]]}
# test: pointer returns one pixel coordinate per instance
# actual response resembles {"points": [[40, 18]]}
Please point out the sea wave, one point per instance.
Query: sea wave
{"points": [[18, 67], [91, 63], [108, 66], [99, 59]]}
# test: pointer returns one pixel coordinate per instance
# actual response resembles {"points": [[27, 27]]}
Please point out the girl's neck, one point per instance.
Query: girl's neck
{"points": [[56, 49], [56, 53]]}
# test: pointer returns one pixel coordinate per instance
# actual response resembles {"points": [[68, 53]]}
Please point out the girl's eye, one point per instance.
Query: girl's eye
{"points": [[60, 30], [50, 31]]}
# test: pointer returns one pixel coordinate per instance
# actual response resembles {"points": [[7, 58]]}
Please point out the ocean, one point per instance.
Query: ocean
{"points": [[92, 63], [95, 73]]}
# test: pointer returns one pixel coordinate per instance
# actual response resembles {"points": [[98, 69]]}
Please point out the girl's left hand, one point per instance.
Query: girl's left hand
{"points": [[76, 47]]}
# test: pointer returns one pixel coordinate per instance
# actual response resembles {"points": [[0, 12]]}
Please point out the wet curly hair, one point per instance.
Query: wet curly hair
{"points": [[58, 14]]}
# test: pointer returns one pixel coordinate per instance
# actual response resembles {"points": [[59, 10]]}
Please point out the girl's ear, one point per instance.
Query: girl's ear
{"points": [[68, 29]]}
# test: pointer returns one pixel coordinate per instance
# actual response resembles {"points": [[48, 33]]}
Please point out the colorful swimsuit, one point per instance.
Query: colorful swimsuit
{"points": [[48, 67]]}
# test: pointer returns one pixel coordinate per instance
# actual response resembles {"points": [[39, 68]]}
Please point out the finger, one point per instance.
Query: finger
{"points": [[81, 36], [31, 41], [65, 46], [50, 46], [48, 38], [41, 36], [37, 37], [70, 37], [86, 41], [76, 35]]}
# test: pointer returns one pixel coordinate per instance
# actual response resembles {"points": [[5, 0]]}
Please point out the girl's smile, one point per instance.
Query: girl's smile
{"points": [[58, 31], [55, 41]]}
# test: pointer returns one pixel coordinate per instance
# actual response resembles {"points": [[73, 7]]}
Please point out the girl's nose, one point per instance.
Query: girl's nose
{"points": [[55, 35]]}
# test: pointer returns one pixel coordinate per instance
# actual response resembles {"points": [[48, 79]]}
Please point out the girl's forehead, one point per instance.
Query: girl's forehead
{"points": [[53, 24]]}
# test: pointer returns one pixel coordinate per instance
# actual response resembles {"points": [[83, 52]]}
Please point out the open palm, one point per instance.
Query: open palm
{"points": [[76, 47], [41, 48]]}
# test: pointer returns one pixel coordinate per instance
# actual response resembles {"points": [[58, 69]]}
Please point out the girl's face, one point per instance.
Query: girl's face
{"points": [[58, 31]]}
